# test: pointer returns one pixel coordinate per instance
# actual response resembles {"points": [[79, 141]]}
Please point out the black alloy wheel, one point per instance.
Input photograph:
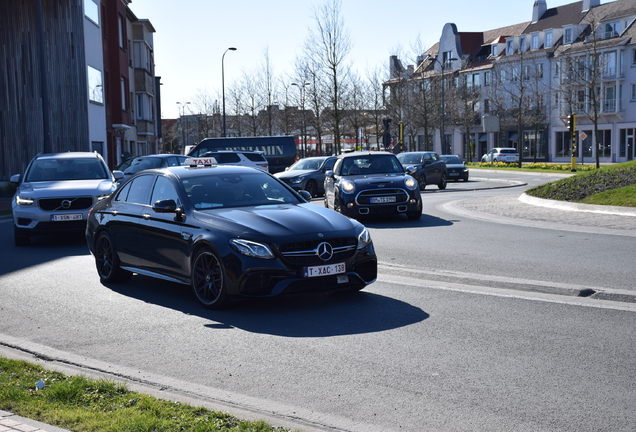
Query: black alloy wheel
{"points": [[422, 181], [312, 188], [442, 182], [107, 262], [417, 214], [208, 280]]}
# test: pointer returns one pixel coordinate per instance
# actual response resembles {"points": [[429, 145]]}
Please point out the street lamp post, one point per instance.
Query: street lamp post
{"points": [[183, 135], [443, 131], [223, 84], [301, 88]]}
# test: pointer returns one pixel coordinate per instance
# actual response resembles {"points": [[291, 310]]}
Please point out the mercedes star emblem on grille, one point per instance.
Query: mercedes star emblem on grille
{"points": [[324, 251]]}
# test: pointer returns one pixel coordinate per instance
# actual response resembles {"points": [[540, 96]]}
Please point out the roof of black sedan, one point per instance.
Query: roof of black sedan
{"points": [[363, 153], [187, 171]]}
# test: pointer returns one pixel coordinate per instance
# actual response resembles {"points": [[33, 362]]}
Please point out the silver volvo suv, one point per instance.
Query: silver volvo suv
{"points": [[56, 192]]}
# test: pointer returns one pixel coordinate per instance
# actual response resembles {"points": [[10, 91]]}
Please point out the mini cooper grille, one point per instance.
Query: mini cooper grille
{"points": [[73, 203], [364, 197], [304, 253]]}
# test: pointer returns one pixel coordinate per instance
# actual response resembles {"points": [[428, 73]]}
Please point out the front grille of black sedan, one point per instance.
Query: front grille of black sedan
{"points": [[367, 270], [304, 253], [364, 197], [73, 203]]}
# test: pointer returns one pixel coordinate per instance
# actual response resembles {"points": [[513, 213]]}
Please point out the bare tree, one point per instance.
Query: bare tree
{"points": [[376, 107], [267, 88], [588, 64], [329, 44]]}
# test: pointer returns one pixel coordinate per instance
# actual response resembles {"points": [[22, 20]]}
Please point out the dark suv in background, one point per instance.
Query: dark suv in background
{"points": [[429, 168]]}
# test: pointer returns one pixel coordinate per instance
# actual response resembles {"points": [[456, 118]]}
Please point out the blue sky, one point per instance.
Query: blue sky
{"points": [[191, 35]]}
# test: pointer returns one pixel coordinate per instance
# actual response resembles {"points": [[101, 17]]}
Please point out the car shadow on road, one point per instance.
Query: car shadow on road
{"points": [[299, 316], [400, 221]]}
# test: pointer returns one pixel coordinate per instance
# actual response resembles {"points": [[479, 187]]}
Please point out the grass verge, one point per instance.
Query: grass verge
{"points": [[85, 405], [608, 185]]}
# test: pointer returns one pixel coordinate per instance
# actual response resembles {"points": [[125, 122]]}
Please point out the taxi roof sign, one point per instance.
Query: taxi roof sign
{"points": [[203, 161]]}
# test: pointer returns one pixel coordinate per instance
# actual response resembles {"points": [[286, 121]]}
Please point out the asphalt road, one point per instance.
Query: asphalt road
{"points": [[472, 325]]}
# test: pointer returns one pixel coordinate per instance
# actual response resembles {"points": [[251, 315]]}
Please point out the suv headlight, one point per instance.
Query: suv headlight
{"points": [[252, 249], [23, 201], [410, 182], [347, 186], [364, 239]]}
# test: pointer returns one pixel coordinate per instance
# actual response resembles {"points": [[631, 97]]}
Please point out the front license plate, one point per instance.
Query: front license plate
{"points": [[324, 270], [66, 217], [453, 174], [380, 200]]}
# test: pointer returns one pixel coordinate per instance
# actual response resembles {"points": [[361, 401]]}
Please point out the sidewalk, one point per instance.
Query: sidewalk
{"points": [[10, 422]]}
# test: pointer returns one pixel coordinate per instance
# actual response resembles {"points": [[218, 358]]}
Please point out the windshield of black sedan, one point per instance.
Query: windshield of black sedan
{"points": [[236, 190]]}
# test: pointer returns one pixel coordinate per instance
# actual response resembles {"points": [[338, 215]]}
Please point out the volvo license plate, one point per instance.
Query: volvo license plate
{"points": [[66, 217]]}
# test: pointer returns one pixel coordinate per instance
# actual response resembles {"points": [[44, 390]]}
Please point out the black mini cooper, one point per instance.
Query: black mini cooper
{"points": [[372, 183]]}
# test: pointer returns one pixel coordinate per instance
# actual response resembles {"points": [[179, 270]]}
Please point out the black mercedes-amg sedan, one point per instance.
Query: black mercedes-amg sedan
{"points": [[229, 232]]}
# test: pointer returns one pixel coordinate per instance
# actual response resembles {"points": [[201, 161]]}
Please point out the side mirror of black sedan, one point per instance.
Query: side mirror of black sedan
{"points": [[165, 206], [410, 170], [306, 195]]}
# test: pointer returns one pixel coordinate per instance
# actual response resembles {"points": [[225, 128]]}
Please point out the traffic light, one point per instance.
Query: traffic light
{"points": [[571, 123]]}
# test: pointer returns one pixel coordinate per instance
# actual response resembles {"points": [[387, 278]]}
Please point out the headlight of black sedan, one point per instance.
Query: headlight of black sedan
{"points": [[252, 249]]}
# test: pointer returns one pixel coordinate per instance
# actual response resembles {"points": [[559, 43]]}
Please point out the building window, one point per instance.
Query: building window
{"points": [[605, 143], [548, 39], [522, 44], [611, 30], [487, 78], [495, 51], [121, 31], [540, 71], [557, 69], [535, 42], [510, 47], [633, 92], [91, 11], [563, 144], [123, 93], [567, 36], [95, 86], [486, 106], [447, 55], [626, 142], [634, 57]]}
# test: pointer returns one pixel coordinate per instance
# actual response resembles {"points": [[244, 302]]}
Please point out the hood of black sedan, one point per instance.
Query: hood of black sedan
{"points": [[276, 220]]}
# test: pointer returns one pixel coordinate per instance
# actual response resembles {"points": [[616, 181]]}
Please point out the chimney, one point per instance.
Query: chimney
{"points": [[587, 4], [540, 6]]}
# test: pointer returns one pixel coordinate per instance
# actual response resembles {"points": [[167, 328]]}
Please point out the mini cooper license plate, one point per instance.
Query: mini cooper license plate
{"points": [[324, 270], [380, 200], [66, 217]]}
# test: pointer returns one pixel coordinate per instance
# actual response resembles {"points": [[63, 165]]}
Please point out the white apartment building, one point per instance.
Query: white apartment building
{"points": [[578, 58]]}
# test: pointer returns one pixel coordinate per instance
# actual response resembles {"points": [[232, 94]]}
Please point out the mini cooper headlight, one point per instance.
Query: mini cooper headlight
{"points": [[348, 186], [410, 182], [252, 249], [364, 239]]}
